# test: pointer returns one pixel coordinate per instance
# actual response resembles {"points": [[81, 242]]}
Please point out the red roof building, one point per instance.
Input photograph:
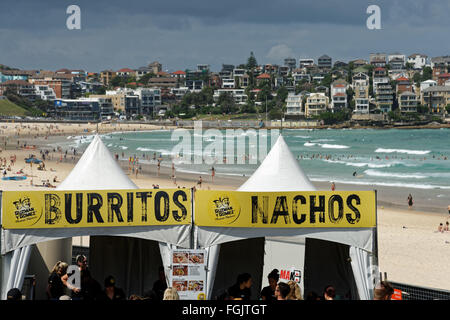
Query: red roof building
{"points": [[263, 76]]}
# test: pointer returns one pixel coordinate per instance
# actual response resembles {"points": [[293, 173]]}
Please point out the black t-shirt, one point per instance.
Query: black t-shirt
{"points": [[119, 294], [268, 293], [90, 288], [237, 292], [55, 286], [159, 287]]}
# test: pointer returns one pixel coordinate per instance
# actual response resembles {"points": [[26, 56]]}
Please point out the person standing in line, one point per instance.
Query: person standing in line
{"points": [[383, 291], [295, 293], [57, 281], [213, 173], [171, 294], [160, 285], [333, 186], [241, 289], [111, 292], [282, 291], [14, 294], [329, 293], [268, 293], [90, 288]]}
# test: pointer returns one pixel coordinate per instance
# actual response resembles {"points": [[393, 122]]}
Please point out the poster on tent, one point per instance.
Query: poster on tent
{"points": [[97, 208], [189, 273], [302, 209]]}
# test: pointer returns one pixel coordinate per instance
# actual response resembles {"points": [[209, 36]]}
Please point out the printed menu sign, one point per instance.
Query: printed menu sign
{"points": [[188, 274]]}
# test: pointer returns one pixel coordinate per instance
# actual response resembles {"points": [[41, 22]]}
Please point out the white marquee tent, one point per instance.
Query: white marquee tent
{"points": [[96, 170], [280, 171]]}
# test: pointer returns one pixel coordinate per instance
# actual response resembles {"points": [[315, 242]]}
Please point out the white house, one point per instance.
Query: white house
{"points": [[338, 95], [238, 94], [302, 63], [294, 104], [228, 84], [418, 60], [44, 92]]}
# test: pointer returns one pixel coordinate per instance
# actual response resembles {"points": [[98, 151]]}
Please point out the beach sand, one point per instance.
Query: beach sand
{"points": [[410, 249]]}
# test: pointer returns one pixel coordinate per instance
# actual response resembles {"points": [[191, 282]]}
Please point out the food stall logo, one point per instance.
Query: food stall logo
{"points": [[24, 210], [293, 274], [223, 209]]}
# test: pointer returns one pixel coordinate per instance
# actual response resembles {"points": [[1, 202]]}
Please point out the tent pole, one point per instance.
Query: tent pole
{"points": [[193, 233], [375, 230]]}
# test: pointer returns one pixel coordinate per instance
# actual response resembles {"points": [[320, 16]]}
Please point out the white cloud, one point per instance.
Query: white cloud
{"points": [[279, 52]]}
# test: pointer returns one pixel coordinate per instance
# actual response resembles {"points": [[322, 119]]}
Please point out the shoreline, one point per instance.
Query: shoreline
{"points": [[207, 124]]}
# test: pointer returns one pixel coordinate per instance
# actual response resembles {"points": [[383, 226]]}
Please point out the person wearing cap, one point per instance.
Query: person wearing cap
{"points": [[14, 294], [111, 292]]}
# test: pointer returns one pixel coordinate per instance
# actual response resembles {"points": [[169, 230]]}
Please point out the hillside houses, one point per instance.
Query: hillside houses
{"points": [[379, 83]]}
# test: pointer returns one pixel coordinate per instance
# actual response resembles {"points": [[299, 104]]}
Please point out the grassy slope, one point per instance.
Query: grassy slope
{"points": [[7, 108]]}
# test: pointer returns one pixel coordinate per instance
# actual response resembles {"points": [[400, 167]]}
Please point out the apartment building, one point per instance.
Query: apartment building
{"points": [[8, 75], [83, 108], [324, 62], [397, 61], [379, 76], [155, 67], [404, 84], [316, 104], [228, 84], [238, 94], [195, 85], [378, 59], [338, 95], [407, 102], [149, 98], [384, 97], [303, 63], [294, 104], [163, 82], [106, 77], [436, 98], [19, 87], [44, 92], [291, 63], [417, 60], [360, 85]]}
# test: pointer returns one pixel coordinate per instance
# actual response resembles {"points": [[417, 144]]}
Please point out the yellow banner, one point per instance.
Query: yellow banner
{"points": [[98, 208], [318, 209]]}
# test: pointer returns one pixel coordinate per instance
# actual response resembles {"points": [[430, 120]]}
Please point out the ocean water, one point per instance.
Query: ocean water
{"points": [[409, 158]]}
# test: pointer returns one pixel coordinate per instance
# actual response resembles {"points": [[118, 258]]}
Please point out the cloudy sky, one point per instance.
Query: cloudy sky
{"points": [[181, 34]]}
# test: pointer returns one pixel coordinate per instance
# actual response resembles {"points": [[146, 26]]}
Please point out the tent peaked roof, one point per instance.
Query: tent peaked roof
{"points": [[279, 171], [97, 170]]}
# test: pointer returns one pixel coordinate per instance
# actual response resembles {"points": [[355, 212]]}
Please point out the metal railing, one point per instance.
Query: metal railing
{"points": [[410, 292]]}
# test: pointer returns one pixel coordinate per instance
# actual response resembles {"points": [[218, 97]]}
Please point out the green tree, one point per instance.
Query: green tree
{"points": [[326, 81], [251, 62], [226, 103], [427, 73], [282, 93], [265, 93]]}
